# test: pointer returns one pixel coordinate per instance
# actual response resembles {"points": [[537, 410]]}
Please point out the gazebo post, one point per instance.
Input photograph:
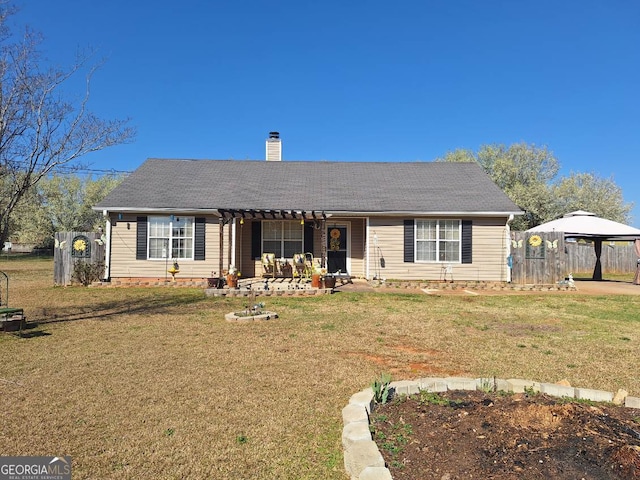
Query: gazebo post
{"points": [[636, 279], [597, 271]]}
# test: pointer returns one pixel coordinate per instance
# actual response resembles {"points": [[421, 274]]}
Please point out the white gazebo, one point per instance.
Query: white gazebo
{"points": [[587, 225]]}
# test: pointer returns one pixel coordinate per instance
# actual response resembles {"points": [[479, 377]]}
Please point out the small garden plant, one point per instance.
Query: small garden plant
{"points": [[391, 437], [87, 272], [432, 398], [381, 389]]}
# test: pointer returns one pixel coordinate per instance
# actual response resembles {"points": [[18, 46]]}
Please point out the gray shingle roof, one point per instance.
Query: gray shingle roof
{"points": [[421, 187]]}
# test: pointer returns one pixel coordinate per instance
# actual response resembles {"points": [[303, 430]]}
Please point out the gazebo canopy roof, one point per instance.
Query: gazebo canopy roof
{"points": [[581, 224]]}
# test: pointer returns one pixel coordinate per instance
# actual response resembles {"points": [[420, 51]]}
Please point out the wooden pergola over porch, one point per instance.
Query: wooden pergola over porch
{"points": [[229, 216]]}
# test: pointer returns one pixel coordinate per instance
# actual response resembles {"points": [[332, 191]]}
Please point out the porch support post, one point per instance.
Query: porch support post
{"points": [[323, 237], [233, 244], [221, 244], [367, 247], [241, 236], [229, 240]]}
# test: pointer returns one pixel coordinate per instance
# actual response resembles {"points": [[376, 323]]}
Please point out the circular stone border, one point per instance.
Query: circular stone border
{"points": [[363, 460], [239, 317]]}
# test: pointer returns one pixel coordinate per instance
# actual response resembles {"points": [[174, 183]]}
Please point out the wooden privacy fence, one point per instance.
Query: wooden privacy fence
{"points": [[537, 258], [546, 258], [616, 257], [72, 247]]}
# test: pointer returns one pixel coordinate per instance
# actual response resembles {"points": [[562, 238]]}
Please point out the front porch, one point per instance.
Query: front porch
{"points": [[266, 244]]}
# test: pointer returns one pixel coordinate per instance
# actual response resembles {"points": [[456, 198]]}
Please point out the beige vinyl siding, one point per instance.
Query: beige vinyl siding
{"points": [[489, 252], [358, 264], [123, 252]]}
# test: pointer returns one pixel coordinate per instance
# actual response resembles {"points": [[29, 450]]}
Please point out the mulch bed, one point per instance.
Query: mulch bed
{"points": [[473, 434]]}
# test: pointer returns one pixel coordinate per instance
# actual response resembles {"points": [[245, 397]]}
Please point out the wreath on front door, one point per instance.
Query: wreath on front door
{"points": [[334, 243]]}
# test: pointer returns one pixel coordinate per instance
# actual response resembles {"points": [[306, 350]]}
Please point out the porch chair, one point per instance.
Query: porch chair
{"points": [[268, 264], [308, 264], [303, 264]]}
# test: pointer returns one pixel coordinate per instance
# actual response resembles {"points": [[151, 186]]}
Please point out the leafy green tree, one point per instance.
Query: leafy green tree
{"points": [[519, 163], [67, 200], [528, 175], [459, 155], [30, 223], [587, 191], [60, 203], [39, 129], [522, 171]]}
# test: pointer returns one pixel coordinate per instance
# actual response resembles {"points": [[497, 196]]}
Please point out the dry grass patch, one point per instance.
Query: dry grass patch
{"points": [[153, 383]]}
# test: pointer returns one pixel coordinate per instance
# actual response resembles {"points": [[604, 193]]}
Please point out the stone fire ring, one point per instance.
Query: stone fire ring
{"points": [[241, 317]]}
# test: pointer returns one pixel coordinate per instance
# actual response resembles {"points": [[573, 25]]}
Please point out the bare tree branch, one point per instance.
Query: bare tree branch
{"points": [[39, 129]]}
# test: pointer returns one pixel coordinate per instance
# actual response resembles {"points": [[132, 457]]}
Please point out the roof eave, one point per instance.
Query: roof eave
{"points": [[212, 211], [352, 213], [404, 213]]}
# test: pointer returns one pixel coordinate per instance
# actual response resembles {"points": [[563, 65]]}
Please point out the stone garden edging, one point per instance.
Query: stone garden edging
{"points": [[473, 286], [363, 460], [241, 317]]}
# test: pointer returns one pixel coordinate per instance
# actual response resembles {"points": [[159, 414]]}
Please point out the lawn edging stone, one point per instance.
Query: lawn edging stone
{"points": [[362, 458], [593, 395], [241, 317], [632, 402]]}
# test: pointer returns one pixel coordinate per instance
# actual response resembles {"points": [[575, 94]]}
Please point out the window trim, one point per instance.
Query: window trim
{"points": [[437, 240], [171, 219]]}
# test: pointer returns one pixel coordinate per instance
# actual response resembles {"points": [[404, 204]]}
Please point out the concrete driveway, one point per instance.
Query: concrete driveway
{"points": [[607, 287]]}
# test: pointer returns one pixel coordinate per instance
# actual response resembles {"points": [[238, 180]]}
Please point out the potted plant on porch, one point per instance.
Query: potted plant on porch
{"points": [[329, 281], [317, 275], [232, 277]]}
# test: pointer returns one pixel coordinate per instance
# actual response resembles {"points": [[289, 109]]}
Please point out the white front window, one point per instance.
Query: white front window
{"points": [[171, 237], [438, 240], [284, 238]]}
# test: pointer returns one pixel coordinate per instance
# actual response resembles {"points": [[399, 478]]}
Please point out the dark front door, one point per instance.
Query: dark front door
{"points": [[337, 249]]}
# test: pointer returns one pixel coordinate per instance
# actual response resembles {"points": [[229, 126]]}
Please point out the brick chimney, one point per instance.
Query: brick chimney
{"points": [[274, 147]]}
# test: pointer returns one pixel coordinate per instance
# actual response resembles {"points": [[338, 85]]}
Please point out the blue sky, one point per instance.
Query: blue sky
{"points": [[361, 81]]}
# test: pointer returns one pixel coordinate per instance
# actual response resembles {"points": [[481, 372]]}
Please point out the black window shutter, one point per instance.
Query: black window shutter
{"points": [[198, 251], [308, 237], [141, 238], [467, 241], [256, 239], [408, 241]]}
